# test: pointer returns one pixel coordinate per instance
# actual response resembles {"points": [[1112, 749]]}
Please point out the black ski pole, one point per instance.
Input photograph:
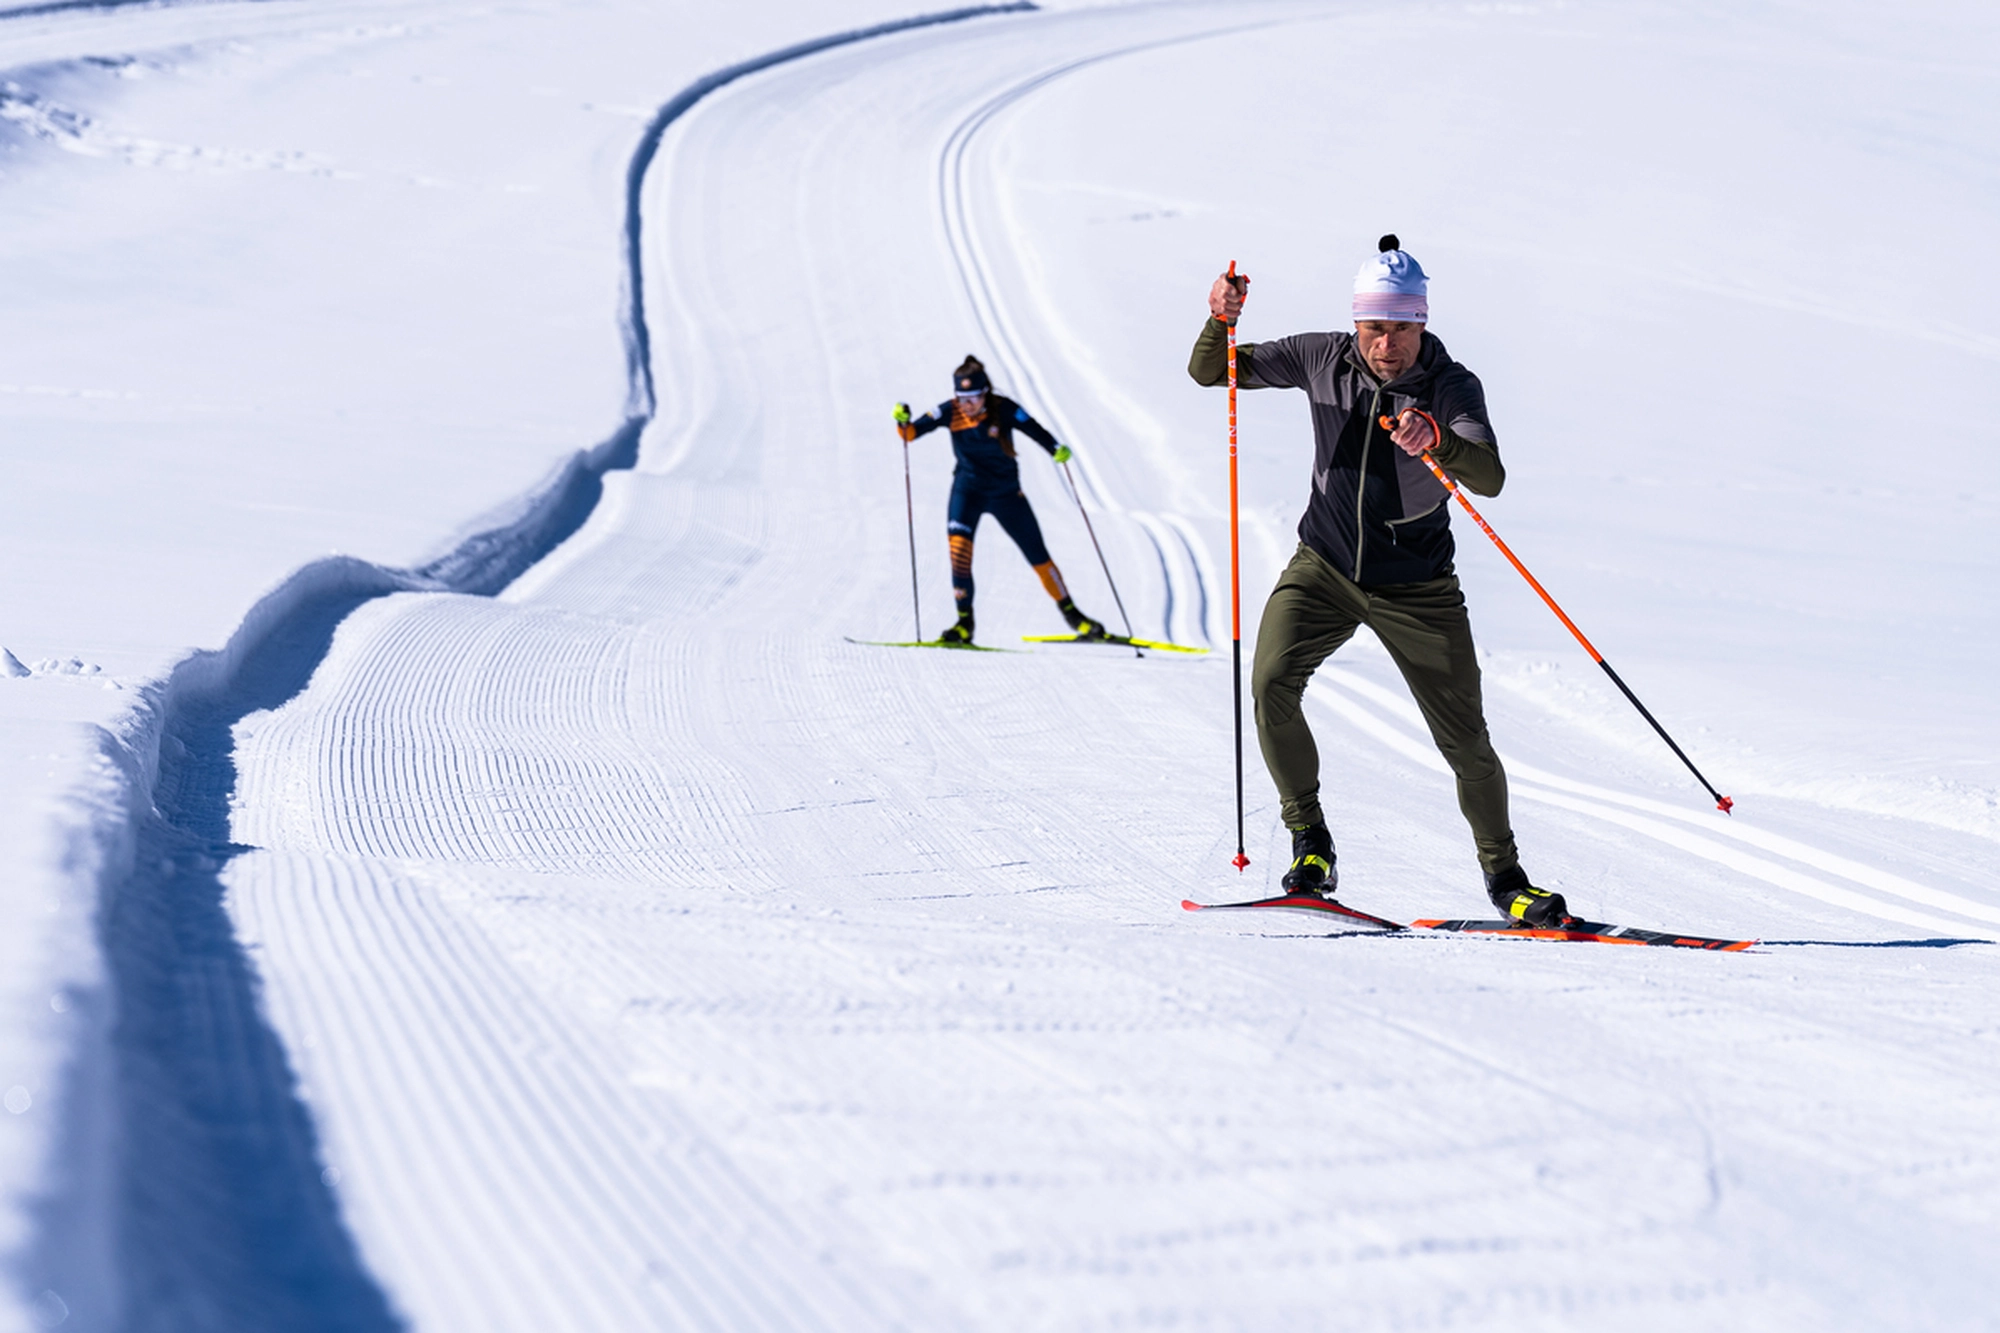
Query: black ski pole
{"points": [[1722, 803], [1078, 497], [910, 508]]}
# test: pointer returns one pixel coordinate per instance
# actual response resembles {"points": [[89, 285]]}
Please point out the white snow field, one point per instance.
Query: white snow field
{"points": [[539, 914]]}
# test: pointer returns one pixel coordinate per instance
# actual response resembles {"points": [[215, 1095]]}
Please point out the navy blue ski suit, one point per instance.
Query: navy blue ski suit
{"points": [[987, 480]]}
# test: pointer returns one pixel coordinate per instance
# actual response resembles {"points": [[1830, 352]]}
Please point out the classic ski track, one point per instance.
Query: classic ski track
{"points": [[333, 913], [577, 828], [1010, 351]]}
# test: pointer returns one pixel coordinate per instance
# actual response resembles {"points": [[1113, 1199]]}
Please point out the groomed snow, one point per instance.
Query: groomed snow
{"points": [[619, 946]]}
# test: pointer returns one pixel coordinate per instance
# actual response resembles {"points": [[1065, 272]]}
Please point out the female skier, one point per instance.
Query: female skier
{"points": [[988, 480]]}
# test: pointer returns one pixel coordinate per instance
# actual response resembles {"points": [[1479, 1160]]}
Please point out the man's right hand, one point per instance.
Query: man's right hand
{"points": [[1225, 298], [902, 414]]}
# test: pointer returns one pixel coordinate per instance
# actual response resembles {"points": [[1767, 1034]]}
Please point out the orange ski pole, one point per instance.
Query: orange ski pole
{"points": [[1722, 803], [1235, 593]]}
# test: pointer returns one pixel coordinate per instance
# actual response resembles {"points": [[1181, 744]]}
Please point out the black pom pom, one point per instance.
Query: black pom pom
{"points": [[1388, 243]]}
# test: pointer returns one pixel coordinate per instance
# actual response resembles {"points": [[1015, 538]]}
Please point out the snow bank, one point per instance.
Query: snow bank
{"points": [[114, 889], [129, 864]]}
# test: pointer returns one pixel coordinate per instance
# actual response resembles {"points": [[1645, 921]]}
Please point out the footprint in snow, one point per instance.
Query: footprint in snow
{"points": [[12, 666]]}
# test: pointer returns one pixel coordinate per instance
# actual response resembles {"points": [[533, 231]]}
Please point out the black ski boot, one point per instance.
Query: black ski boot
{"points": [[1078, 621], [959, 635], [1522, 902], [1313, 871]]}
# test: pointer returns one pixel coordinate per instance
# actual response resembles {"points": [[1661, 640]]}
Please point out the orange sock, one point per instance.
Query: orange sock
{"points": [[1052, 580]]}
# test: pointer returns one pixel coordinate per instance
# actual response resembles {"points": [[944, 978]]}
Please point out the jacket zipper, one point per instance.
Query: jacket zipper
{"points": [[1361, 480]]}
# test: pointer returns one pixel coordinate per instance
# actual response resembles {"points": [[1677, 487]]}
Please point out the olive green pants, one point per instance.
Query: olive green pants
{"points": [[1315, 609]]}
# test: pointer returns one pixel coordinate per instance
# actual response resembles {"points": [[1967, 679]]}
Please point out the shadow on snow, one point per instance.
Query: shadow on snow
{"points": [[225, 1220]]}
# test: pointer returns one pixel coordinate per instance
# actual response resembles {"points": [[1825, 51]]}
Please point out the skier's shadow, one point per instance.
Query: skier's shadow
{"points": [[1944, 942]]}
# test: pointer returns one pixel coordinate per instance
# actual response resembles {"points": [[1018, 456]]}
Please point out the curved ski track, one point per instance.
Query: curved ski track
{"points": [[653, 958]]}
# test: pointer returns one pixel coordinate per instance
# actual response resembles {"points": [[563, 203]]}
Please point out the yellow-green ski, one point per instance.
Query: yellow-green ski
{"points": [[1118, 639]]}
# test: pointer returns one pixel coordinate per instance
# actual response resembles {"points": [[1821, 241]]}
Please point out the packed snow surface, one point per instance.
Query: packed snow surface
{"points": [[463, 872]]}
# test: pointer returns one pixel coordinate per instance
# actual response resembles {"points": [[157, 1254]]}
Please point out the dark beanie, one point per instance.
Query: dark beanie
{"points": [[970, 377]]}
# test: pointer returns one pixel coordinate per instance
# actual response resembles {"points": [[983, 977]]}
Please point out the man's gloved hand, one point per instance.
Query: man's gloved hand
{"points": [[902, 414], [1063, 454]]}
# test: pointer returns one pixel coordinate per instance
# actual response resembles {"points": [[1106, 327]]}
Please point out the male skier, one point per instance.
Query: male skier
{"points": [[1375, 549]]}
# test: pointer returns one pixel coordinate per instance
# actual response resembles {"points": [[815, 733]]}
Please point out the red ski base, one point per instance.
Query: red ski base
{"points": [[1297, 902]]}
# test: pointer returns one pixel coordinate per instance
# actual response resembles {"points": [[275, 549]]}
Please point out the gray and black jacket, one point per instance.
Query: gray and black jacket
{"points": [[1375, 513]]}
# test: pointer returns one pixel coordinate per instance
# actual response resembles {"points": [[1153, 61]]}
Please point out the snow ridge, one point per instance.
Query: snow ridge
{"points": [[216, 1211]]}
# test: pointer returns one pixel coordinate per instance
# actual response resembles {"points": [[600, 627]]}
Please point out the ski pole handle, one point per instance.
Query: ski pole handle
{"points": [[1238, 284]]}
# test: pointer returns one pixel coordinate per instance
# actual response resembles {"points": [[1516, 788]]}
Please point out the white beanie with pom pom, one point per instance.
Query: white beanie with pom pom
{"points": [[1392, 285]]}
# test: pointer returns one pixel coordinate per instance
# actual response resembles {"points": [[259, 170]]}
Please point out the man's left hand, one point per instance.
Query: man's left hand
{"points": [[1063, 455], [1413, 433]]}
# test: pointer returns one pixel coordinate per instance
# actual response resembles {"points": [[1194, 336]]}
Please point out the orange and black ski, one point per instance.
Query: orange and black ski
{"points": [[1577, 931], [1595, 932]]}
